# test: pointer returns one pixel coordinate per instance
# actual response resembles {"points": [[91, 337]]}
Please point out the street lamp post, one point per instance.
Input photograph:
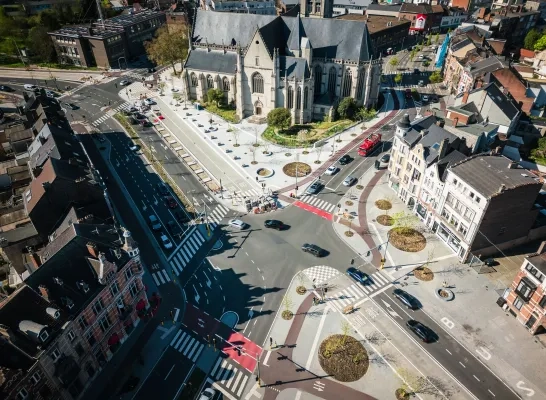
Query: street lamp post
{"points": [[386, 247]]}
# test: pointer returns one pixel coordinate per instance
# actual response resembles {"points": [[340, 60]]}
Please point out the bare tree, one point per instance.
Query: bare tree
{"points": [[253, 149], [318, 149], [405, 221], [345, 329], [418, 384], [235, 134], [430, 257], [266, 145], [287, 302], [375, 338]]}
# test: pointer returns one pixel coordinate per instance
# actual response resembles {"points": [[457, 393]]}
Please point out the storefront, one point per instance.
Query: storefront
{"points": [[454, 243]]}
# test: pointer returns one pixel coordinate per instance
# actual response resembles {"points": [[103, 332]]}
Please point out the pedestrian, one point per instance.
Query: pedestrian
{"points": [[270, 342], [256, 179]]}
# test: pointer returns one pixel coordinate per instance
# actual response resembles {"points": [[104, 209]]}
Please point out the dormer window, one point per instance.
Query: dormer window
{"points": [[43, 335], [67, 301], [36, 377], [84, 287], [55, 354], [58, 281], [22, 394]]}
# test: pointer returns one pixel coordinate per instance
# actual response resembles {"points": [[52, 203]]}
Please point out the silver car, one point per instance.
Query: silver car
{"points": [[349, 181]]}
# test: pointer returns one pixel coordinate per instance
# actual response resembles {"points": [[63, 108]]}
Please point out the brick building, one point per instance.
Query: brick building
{"points": [[526, 298], [108, 44]]}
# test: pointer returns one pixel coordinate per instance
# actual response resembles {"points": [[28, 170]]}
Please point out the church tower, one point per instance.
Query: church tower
{"points": [[317, 8]]}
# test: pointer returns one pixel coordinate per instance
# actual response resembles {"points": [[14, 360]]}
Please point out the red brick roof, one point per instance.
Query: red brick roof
{"points": [[515, 86], [527, 53]]}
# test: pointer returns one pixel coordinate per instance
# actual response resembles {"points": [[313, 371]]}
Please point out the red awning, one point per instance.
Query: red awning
{"points": [[141, 305], [114, 339]]}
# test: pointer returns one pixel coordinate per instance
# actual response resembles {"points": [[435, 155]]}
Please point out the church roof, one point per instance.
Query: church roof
{"points": [[296, 34], [294, 67], [212, 61], [329, 37]]}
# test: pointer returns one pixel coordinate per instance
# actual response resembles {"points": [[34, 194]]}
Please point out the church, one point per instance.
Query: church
{"points": [[261, 62]]}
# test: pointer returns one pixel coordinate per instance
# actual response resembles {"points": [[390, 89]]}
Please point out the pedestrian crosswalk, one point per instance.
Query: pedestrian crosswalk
{"points": [[318, 202], [187, 345], [160, 276], [356, 291], [216, 215], [231, 377], [185, 252], [112, 111]]}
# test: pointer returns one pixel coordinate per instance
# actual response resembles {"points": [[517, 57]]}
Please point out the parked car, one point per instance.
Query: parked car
{"points": [[4, 88], [332, 170], [416, 71], [423, 332], [358, 276], [125, 82], [134, 147], [346, 159], [237, 223], [421, 83], [170, 202], [405, 298], [314, 188], [163, 189], [50, 94], [181, 216], [140, 116], [174, 228], [408, 94], [207, 394], [349, 181], [145, 123], [385, 158], [420, 57], [149, 102], [154, 222], [32, 88], [274, 224], [313, 249], [165, 241], [72, 106], [133, 120], [151, 70], [425, 98]]}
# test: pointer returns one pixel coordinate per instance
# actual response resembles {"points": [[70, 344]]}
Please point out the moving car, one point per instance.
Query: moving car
{"points": [[421, 83], [424, 333], [170, 202], [313, 249], [314, 188], [207, 394], [4, 88], [332, 170], [346, 159], [134, 147], [125, 82], [154, 222], [416, 71], [162, 189], [358, 276], [405, 298], [408, 94], [425, 98], [149, 102], [385, 158], [165, 241], [349, 181], [237, 223], [72, 106], [274, 224], [33, 88]]}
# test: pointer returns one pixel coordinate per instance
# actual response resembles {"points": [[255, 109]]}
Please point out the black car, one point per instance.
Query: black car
{"points": [[4, 88], [162, 189], [346, 159], [174, 228], [313, 249], [133, 121], [314, 188], [181, 216], [385, 158], [405, 298], [358, 276], [416, 71], [151, 70], [424, 333], [274, 224]]}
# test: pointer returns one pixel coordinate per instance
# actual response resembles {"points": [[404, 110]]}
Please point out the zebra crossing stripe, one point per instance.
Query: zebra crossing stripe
{"points": [[194, 243], [330, 208], [184, 336], [155, 280], [194, 359], [188, 346], [242, 386], [197, 344], [213, 225], [227, 373], [237, 380], [216, 366], [176, 266], [176, 337], [199, 239], [189, 248], [381, 277], [230, 380], [184, 254], [354, 291], [186, 340], [160, 276], [224, 362], [224, 209], [181, 260], [167, 277], [373, 285]]}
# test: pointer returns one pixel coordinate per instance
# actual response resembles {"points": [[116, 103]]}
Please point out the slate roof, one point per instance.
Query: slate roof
{"points": [[484, 66], [331, 38], [451, 158], [212, 61], [505, 104], [538, 261], [294, 67], [68, 259], [485, 173], [55, 142]]}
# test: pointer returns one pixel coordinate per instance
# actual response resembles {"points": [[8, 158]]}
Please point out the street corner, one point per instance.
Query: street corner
{"points": [[354, 239]]}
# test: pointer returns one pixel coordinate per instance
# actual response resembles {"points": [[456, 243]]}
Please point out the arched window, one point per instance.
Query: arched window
{"points": [[332, 78], [347, 82], [318, 80], [210, 82], [193, 79], [225, 84], [257, 83], [360, 85], [305, 98], [290, 98], [298, 99]]}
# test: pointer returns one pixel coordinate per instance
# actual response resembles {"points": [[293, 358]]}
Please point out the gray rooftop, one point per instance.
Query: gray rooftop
{"points": [[294, 67], [484, 66], [485, 173], [538, 261], [505, 104], [330, 38], [212, 61]]}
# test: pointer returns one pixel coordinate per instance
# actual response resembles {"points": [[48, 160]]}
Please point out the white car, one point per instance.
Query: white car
{"points": [[50, 94], [165, 241], [237, 223], [124, 82], [28, 86], [149, 102], [134, 147], [420, 57], [207, 394], [425, 98], [332, 170]]}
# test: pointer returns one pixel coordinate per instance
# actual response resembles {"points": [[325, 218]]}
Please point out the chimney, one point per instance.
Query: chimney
{"points": [[455, 121], [102, 260], [541, 247], [512, 165], [92, 249], [424, 132], [443, 148], [502, 188], [465, 97], [440, 123], [42, 139], [44, 292]]}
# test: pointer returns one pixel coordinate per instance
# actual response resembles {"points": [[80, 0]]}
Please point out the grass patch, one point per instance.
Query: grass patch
{"points": [[227, 113], [383, 204], [423, 273], [385, 220], [343, 357], [302, 168], [407, 239], [538, 160], [157, 165], [315, 131]]}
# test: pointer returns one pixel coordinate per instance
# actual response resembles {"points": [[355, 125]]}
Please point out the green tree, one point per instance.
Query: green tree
{"points": [[398, 78], [365, 115], [347, 108], [531, 39], [394, 61], [412, 54], [404, 222], [540, 44], [167, 48], [429, 40], [41, 44], [279, 118], [538, 154], [436, 38], [216, 96], [435, 77]]}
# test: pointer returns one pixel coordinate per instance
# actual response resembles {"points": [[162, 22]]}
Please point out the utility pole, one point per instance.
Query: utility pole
{"points": [[100, 13], [297, 164]]}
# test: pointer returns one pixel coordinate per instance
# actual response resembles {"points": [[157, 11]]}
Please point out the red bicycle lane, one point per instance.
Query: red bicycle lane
{"points": [[282, 372], [236, 346]]}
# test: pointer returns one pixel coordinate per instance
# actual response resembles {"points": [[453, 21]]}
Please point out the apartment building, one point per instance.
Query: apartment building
{"points": [[68, 318], [107, 44], [32, 7], [260, 7], [416, 146], [526, 298]]}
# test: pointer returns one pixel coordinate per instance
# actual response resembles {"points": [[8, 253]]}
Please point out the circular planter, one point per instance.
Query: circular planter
{"points": [[305, 152], [287, 314], [218, 245], [359, 187], [301, 290], [444, 294], [302, 169], [317, 162], [254, 162], [423, 274], [344, 358], [287, 154], [349, 203], [349, 233], [265, 173], [267, 153]]}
